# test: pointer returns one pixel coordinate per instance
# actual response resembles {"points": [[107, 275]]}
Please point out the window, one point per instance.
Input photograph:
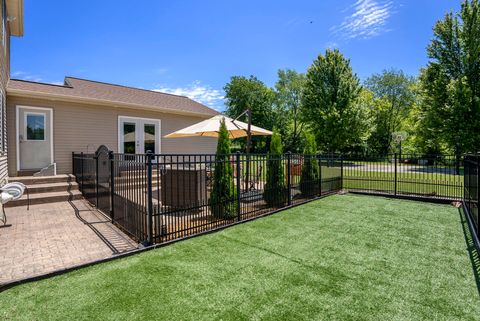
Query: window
{"points": [[149, 138], [35, 126], [129, 138], [2, 121], [4, 25], [3, 126]]}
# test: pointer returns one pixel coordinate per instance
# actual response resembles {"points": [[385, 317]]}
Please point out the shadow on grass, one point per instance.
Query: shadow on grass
{"points": [[332, 275], [293, 260], [471, 248]]}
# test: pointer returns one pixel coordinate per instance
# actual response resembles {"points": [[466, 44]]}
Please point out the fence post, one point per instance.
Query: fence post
{"points": [[81, 163], [464, 181], [96, 180], [238, 173], [112, 185], [395, 191], [457, 164], [341, 171], [478, 193], [149, 198], [289, 154], [319, 157]]}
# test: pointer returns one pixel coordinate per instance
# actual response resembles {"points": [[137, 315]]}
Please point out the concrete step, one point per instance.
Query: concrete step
{"points": [[33, 180], [27, 172], [52, 187], [44, 198]]}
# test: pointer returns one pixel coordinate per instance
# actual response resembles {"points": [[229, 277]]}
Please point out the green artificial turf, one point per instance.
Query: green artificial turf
{"points": [[343, 257]]}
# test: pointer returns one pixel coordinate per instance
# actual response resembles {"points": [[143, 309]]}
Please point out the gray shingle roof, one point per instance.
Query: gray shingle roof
{"points": [[88, 89]]}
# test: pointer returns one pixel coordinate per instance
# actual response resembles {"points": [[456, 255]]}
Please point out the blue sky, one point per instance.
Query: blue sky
{"points": [[194, 47]]}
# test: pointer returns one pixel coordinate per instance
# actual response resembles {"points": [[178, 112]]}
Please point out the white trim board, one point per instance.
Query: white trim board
{"points": [[17, 125]]}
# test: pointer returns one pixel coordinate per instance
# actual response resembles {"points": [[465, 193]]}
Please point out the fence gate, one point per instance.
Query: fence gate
{"points": [[103, 179]]}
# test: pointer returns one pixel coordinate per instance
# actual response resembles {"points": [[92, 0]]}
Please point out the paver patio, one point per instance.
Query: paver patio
{"points": [[56, 236]]}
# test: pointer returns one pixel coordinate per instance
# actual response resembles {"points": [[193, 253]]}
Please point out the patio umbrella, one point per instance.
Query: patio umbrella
{"points": [[130, 137], [210, 128]]}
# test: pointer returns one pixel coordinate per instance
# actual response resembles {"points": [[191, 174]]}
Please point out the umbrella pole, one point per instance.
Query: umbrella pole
{"points": [[249, 142]]}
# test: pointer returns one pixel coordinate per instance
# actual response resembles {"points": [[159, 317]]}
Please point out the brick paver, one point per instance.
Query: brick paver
{"points": [[55, 236]]}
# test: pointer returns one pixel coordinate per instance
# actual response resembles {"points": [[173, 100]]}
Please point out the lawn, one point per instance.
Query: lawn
{"points": [[428, 184], [343, 257]]}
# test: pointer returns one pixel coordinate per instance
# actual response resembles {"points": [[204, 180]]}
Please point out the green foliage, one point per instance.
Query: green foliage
{"points": [[329, 103], [275, 191], [394, 100], [222, 199], [242, 93], [288, 89], [450, 109], [309, 179]]}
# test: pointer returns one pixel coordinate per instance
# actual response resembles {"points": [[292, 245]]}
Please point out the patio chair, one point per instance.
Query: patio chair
{"points": [[10, 192]]}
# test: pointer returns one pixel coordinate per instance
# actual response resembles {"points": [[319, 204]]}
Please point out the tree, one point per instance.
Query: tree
{"points": [[329, 103], [222, 199], [242, 93], [450, 108], [288, 91], [275, 190], [310, 171], [395, 96]]}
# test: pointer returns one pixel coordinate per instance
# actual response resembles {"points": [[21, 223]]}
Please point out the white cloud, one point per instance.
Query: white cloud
{"points": [[18, 73], [160, 71], [331, 45], [197, 91], [365, 19], [23, 75]]}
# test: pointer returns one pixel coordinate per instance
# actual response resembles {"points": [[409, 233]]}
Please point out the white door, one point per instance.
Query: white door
{"points": [[34, 137], [139, 135]]}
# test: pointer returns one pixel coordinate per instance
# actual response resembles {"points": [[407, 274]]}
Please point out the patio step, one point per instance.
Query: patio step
{"points": [[52, 187], [32, 180], [46, 189], [44, 198]]}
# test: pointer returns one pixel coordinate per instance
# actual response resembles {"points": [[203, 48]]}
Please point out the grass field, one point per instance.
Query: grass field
{"points": [[340, 258], [428, 184]]}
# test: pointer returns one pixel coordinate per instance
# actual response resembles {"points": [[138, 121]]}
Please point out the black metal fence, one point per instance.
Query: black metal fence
{"points": [[158, 198], [472, 194], [433, 177]]}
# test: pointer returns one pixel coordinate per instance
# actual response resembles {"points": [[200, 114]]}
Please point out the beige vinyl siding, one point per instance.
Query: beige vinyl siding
{"points": [[82, 127]]}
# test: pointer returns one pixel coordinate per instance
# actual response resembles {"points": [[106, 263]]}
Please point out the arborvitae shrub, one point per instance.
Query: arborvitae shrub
{"points": [[275, 191], [309, 185], [223, 203]]}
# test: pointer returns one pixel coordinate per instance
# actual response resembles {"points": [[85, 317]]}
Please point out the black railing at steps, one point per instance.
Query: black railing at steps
{"points": [[157, 197]]}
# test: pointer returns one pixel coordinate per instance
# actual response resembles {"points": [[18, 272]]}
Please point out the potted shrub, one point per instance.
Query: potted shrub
{"points": [[310, 175], [223, 203], [275, 191]]}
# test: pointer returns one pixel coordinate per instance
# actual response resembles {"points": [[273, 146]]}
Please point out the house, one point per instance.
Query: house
{"points": [[45, 123]]}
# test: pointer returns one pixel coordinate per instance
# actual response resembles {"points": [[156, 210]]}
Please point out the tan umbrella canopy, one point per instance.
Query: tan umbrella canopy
{"points": [[210, 128], [130, 137]]}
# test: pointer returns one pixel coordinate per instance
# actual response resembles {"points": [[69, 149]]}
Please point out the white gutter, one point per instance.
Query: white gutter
{"points": [[21, 93]]}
